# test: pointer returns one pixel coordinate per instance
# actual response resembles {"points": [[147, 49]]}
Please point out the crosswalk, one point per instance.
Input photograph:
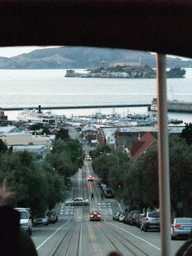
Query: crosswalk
{"points": [[104, 208], [66, 210]]}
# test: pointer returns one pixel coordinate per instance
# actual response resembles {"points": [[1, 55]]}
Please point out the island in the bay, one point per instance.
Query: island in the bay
{"points": [[121, 71]]}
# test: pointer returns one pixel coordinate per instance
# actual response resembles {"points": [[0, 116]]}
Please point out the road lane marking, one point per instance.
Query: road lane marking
{"points": [[52, 235], [134, 236], [81, 242], [94, 241]]}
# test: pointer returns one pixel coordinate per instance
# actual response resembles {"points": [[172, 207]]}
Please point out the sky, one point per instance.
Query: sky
{"points": [[15, 51]]}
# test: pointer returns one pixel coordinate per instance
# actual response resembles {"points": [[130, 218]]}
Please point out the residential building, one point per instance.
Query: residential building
{"points": [[139, 147], [88, 130]]}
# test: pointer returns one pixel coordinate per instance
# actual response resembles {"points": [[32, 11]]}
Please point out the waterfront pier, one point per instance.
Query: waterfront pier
{"points": [[78, 107]]}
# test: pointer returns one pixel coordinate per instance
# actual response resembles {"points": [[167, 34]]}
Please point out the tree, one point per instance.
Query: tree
{"points": [[187, 133], [62, 163], [3, 146], [99, 151], [45, 131], [117, 171], [56, 185], [141, 182], [73, 148], [36, 185], [63, 134], [180, 176]]}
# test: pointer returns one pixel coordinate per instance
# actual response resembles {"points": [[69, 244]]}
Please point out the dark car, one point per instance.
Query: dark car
{"points": [[95, 215], [52, 216], [125, 217], [130, 216], [108, 193], [151, 221], [136, 215]]}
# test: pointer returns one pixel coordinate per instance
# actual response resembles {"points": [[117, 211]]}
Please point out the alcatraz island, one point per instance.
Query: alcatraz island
{"points": [[123, 71]]}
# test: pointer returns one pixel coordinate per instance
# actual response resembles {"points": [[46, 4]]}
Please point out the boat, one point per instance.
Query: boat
{"points": [[146, 123], [35, 116], [176, 121]]}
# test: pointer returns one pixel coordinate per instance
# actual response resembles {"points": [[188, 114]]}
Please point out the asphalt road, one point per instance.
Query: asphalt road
{"points": [[74, 234]]}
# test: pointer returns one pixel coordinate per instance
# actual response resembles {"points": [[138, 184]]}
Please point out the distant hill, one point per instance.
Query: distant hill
{"points": [[83, 58]]}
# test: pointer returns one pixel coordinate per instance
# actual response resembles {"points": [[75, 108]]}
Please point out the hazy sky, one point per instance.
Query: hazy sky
{"points": [[14, 51]]}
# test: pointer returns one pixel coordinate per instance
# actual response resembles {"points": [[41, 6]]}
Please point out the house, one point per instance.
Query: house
{"points": [[106, 137], [123, 139], [139, 147], [88, 130], [110, 140]]}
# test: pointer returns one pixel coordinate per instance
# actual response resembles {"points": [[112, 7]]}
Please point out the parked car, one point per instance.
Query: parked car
{"points": [[25, 220], [139, 219], [77, 201], [150, 221], [134, 218], [90, 178], [116, 215], [125, 217], [181, 227], [130, 216], [41, 220], [52, 216], [121, 217], [95, 215], [108, 193]]}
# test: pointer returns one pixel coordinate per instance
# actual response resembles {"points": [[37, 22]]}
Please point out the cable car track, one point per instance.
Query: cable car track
{"points": [[64, 246], [142, 252]]}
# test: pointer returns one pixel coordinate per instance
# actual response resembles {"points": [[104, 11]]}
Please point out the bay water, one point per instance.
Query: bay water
{"points": [[50, 88]]}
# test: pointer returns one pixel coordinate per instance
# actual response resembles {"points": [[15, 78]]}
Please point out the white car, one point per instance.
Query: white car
{"points": [[41, 220], [121, 217], [25, 219], [77, 201], [181, 227]]}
